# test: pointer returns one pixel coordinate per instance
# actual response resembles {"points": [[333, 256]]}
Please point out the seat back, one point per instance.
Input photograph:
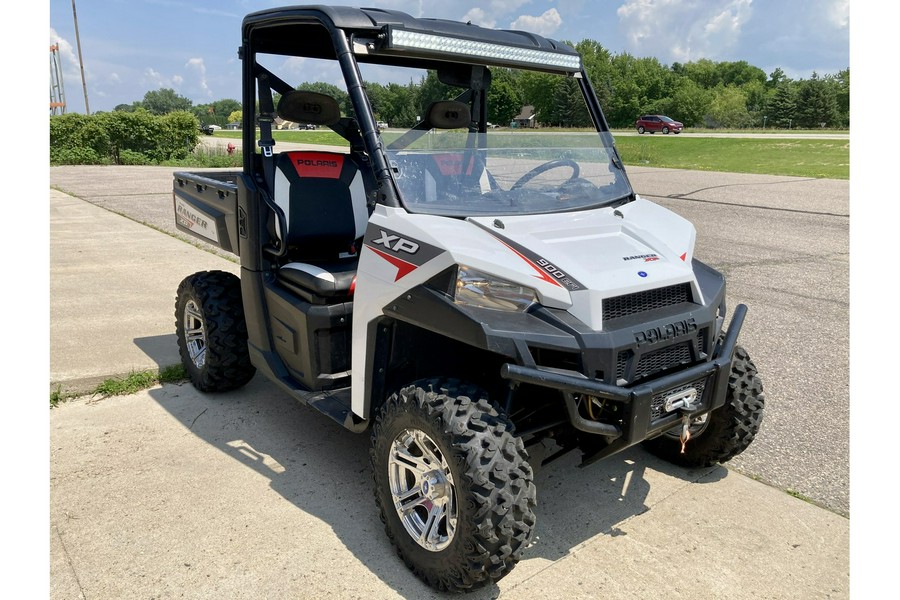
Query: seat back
{"points": [[323, 201]]}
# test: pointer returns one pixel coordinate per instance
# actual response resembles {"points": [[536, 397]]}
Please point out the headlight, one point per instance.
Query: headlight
{"points": [[474, 288]]}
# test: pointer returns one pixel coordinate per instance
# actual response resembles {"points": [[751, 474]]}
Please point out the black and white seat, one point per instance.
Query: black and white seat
{"points": [[321, 212]]}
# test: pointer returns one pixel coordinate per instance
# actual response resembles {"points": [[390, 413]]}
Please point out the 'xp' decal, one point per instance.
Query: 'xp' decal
{"points": [[396, 243], [405, 254]]}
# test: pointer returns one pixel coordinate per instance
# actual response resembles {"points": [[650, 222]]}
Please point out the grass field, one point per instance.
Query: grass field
{"points": [[823, 158], [802, 158]]}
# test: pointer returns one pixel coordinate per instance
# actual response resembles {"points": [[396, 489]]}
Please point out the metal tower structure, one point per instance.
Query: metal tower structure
{"points": [[57, 89]]}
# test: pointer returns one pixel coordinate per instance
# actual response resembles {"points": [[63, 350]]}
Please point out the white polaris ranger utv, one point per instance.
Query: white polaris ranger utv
{"points": [[460, 292]]}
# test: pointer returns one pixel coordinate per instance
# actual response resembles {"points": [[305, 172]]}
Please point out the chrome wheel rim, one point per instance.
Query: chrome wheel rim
{"points": [[422, 490], [195, 334]]}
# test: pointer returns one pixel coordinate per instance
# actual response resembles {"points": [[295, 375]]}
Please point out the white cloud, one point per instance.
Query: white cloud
{"points": [[838, 12], [683, 30], [544, 24], [197, 65], [67, 57], [153, 79], [478, 17]]}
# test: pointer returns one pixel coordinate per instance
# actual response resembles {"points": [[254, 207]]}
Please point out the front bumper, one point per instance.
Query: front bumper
{"points": [[709, 378]]}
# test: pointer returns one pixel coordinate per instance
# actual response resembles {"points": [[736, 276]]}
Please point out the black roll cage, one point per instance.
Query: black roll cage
{"points": [[351, 35]]}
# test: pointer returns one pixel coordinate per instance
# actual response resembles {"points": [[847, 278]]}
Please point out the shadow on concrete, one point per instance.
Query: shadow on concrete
{"points": [[161, 349], [324, 471]]}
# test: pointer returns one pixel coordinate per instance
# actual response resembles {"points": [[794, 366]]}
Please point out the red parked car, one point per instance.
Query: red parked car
{"points": [[654, 123]]}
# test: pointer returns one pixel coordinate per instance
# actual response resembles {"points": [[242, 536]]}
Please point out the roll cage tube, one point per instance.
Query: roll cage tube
{"points": [[356, 91], [365, 119]]}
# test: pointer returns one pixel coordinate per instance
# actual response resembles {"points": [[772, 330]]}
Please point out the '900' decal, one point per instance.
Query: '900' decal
{"points": [[545, 269]]}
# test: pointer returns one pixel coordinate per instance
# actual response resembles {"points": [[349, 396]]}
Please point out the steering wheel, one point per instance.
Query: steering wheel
{"points": [[547, 166]]}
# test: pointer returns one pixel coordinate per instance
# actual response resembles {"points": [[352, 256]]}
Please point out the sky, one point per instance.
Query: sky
{"points": [[130, 47]]}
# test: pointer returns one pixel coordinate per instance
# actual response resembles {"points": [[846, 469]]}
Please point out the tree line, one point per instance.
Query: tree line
{"points": [[702, 93]]}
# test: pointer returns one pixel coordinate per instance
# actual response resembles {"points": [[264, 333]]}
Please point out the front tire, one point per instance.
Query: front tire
{"points": [[453, 484], [727, 431], [211, 331]]}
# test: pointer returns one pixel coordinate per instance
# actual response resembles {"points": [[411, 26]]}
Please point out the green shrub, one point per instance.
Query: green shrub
{"points": [[77, 156], [120, 137], [129, 157]]}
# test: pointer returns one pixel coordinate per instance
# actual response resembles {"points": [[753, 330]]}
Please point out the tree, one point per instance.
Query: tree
{"points": [[430, 89], [841, 85], [689, 102], [539, 91], [235, 117], [504, 99], [757, 99], [729, 107], [816, 103], [702, 72], [597, 62], [739, 73], [782, 106], [569, 109], [216, 112], [776, 78], [164, 101]]}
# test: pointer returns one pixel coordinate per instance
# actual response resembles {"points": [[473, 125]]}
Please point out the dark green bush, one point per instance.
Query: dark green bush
{"points": [[77, 156], [121, 137], [129, 157]]}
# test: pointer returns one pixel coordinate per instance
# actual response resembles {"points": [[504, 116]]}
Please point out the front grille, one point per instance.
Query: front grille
{"points": [[656, 404], [629, 304], [660, 360]]}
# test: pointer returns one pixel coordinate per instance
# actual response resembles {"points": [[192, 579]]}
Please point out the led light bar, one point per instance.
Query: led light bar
{"points": [[402, 39]]}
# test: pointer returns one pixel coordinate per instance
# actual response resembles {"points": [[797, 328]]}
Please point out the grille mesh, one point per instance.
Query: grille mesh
{"points": [[659, 360], [629, 304]]}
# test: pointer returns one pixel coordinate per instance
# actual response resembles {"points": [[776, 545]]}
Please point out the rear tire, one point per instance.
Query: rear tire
{"points": [[640, 130], [728, 430], [211, 331], [665, 130], [442, 451]]}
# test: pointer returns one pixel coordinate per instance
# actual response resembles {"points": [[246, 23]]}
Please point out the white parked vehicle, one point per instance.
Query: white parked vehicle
{"points": [[458, 292]]}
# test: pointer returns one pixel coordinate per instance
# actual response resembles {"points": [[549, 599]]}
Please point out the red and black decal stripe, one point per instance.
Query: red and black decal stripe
{"points": [[546, 270]]}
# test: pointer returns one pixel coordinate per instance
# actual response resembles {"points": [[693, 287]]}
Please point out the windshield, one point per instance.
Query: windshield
{"points": [[458, 173], [466, 141]]}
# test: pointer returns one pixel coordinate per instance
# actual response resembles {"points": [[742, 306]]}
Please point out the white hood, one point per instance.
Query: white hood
{"points": [[575, 260]]}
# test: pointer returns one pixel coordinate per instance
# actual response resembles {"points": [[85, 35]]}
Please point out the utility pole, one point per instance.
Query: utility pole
{"points": [[87, 109]]}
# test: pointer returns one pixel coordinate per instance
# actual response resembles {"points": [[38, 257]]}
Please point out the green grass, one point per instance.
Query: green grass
{"points": [[799, 496], [819, 158], [801, 158], [129, 384]]}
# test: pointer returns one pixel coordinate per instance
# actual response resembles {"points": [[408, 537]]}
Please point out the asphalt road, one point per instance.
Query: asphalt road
{"points": [[782, 242]]}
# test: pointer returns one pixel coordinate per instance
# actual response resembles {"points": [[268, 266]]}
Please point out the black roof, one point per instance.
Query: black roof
{"points": [[297, 30]]}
